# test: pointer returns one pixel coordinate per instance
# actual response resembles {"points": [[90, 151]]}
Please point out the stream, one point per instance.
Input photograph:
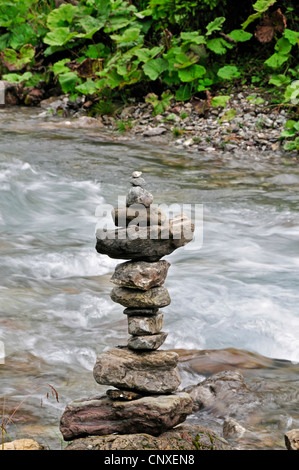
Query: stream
{"points": [[234, 289]]}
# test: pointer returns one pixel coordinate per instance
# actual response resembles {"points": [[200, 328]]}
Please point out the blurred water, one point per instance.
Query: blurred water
{"points": [[237, 289]]}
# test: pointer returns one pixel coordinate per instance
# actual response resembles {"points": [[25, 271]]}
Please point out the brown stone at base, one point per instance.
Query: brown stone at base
{"points": [[100, 416], [183, 437]]}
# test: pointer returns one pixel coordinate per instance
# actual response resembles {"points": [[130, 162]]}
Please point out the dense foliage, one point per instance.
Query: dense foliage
{"points": [[161, 49]]}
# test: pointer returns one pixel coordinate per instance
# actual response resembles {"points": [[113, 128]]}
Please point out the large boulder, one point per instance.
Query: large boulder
{"points": [[184, 437]]}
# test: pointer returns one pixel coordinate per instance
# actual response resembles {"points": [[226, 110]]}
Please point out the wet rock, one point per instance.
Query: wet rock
{"points": [[231, 428], [154, 131], [183, 437], [147, 342], [223, 391], [84, 122], [102, 416], [139, 195], [292, 439], [153, 372], [138, 325], [157, 297], [140, 274], [145, 243], [11, 94], [22, 444]]}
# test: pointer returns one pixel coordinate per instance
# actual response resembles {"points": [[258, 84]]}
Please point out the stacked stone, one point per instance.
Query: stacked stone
{"points": [[145, 379]]}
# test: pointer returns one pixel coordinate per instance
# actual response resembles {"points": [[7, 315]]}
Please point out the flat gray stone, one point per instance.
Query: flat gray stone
{"points": [[157, 297], [101, 416], [139, 326], [147, 342], [145, 243], [140, 274], [153, 372]]}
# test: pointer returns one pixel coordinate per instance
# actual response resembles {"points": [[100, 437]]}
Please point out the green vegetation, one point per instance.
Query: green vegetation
{"points": [[113, 50]]}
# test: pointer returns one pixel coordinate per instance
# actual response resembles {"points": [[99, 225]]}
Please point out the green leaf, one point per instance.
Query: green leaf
{"points": [[16, 61], [220, 101], [216, 45], [191, 73], [228, 72], [90, 25], [62, 16], [193, 37], [59, 37], [215, 25], [154, 67], [184, 93], [68, 81], [291, 94], [144, 55], [87, 88], [129, 35], [60, 68], [283, 46], [15, 78], [279, 80], [260, 7], [276, 60], [291, 36], [239, 35]]}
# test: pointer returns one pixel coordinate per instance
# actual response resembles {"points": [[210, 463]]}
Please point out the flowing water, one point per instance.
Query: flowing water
{"points": [[234, 289]]}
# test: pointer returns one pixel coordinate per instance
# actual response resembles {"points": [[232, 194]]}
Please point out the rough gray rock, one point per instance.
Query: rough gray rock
{"points": [[292, 439], [184, 437], [149, 342], [139, 195], [138, 326], [145, 243], [157, 297], [102, 416], [153, 372], [137, 214], [140, 274]]}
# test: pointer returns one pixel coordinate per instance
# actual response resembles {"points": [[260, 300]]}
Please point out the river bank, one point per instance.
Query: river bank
{"points": [[247, 121]]}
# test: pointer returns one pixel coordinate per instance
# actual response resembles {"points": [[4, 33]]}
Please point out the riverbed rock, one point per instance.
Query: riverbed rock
{"points": [[139, 195], [153, 372], [137, 214], [145, 243], [22, 444], [102, 416], [292, 439], [157, 297], [184, 437], [147, 342], [140, 274], [221, 391], [138, 325], [126, 395]]}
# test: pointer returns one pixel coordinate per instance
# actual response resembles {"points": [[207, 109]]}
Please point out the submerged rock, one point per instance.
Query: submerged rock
{"points": [[140, 274], [102, 416], [183, 437], [153, 372]]}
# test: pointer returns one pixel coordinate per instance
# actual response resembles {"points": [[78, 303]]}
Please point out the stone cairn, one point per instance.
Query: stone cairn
{"points": [[145, 379]]}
